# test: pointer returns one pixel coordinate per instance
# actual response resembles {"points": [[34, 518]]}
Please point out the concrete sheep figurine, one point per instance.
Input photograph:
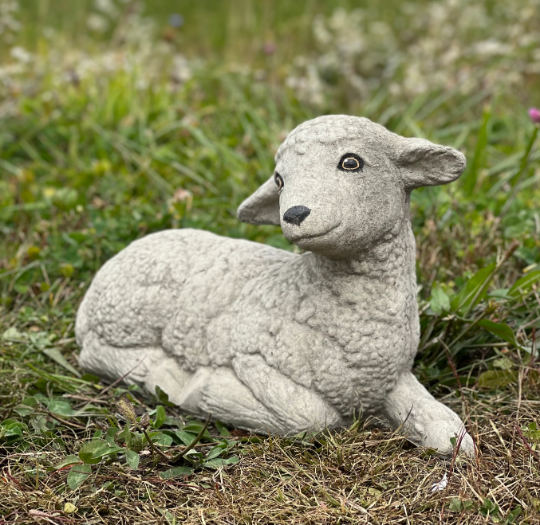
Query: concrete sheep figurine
{"points": [[276, 342]]}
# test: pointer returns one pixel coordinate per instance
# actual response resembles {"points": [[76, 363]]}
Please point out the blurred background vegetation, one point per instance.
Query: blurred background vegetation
{"points": [[232, 29]]}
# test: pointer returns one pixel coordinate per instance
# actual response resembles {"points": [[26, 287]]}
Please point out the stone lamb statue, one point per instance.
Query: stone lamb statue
{"points": [[276, 342]]}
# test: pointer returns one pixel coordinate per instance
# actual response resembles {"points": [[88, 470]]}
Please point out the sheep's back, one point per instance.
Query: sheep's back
{"points": [[166, 288]]}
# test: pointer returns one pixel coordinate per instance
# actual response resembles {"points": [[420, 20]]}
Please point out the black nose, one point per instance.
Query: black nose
{"points": [[296, 214]]}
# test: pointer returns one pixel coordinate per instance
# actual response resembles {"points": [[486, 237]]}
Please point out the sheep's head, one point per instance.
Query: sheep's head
{"points": [[342, 184]]}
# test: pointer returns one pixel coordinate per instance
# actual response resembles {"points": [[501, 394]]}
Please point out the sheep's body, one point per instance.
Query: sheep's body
{"points": [[265, 339], [339, 338]]}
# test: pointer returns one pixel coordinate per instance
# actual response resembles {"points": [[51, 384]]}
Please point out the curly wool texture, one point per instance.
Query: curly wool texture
{"points": [[330, 130], [272, 341]]}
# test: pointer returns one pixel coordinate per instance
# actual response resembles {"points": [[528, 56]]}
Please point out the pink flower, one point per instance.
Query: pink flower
{"points": [[534, 113], [269, 48]]}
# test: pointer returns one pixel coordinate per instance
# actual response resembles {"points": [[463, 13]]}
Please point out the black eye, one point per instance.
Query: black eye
{"points": [[351, 162], [279, 181]]}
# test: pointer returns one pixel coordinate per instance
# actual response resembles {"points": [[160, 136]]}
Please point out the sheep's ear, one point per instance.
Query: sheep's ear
{"points": [[263, 206], [423, 163]]}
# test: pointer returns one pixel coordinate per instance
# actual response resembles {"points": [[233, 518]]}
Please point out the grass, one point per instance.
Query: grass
{"points": [[90, 162]]}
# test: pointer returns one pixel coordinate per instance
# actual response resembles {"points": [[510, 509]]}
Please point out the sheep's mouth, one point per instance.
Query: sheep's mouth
{"points": [[307, 237]]}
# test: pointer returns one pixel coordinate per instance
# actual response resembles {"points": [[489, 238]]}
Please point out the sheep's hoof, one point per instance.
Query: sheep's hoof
{"points": [[442, 436]]}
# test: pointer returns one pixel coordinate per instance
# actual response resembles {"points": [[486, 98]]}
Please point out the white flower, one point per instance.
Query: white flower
{"points": [[97, 23], [491, 48], [20, 54], [180, 69], [106, 6], [441, 485]]}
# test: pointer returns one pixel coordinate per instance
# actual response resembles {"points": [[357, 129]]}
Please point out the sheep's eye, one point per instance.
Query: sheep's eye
{"points": [[351, 162], [279, 181]]}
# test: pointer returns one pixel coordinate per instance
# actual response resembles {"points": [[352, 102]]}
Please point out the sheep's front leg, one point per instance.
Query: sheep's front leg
{"points": [[255, 397], [426, 422], [295, 408], [217, 391]]}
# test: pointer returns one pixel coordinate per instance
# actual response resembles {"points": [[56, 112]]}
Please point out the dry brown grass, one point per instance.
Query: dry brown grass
{"points": [[359, 475]]}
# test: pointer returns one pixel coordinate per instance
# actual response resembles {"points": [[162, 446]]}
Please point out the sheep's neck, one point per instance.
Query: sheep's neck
{"points": [[389, 265]]}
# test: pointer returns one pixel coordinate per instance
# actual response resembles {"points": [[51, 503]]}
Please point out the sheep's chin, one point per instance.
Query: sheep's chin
{"points": [[310, 241]]}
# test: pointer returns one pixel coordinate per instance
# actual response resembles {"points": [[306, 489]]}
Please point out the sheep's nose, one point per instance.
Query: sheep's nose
{"points": [[296, 214]]}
